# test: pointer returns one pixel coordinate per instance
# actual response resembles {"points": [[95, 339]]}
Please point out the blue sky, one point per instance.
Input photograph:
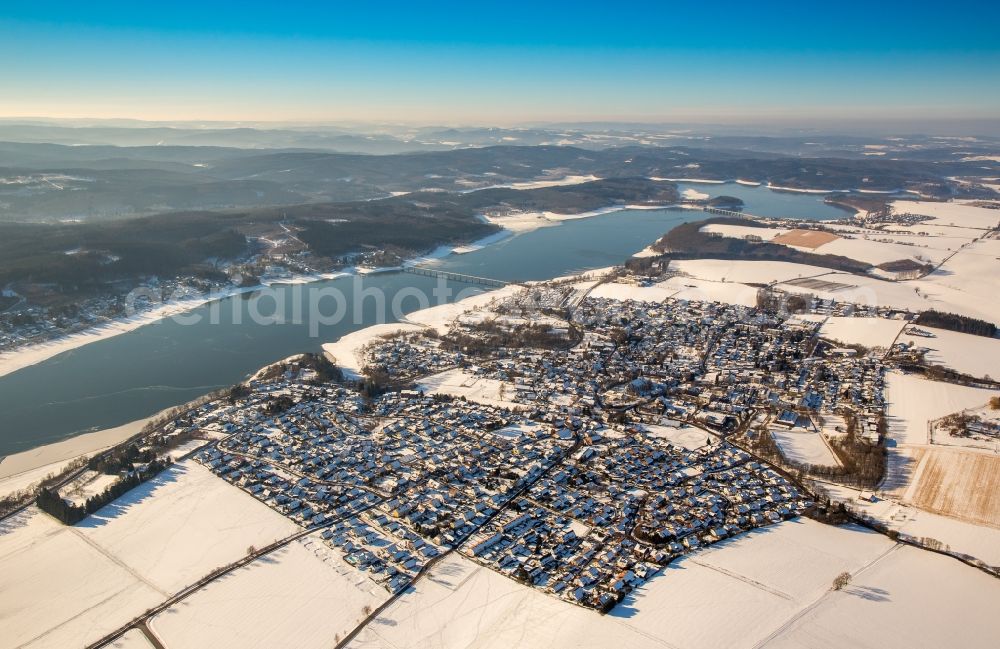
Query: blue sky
{"points": [[492, 62]]}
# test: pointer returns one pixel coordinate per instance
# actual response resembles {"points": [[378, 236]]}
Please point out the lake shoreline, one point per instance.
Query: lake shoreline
{"points": [[513, 225], [23, 357], [597, 241]]}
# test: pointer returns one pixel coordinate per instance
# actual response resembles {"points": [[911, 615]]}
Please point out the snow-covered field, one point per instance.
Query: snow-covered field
{"points": [[743, 231], [978, 541], [618, 291], [869, 332], [910, 598], [527, 221], [680, 288], [959, 536], [182, 524], [730, 292], [862, 289], [914, 401], [59, 590], [960, 483], [965, 284], [876, 252], [954, 214], [745, 592], [867, 245], [301, 596], [804, 447], [460, 383], [539, 182], [688, 437], [64, 586], [692, 194], [974, 355], [968, 283], [463, 604], [89, 484], [751, 272]]}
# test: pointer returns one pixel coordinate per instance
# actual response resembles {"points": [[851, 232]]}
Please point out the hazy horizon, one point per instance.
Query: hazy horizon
{"points": [[496, 64], [938, 127]]}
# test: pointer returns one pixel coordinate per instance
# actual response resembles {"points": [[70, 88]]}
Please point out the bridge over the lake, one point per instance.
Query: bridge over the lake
{"points": [[456, 277], [739, 215]]}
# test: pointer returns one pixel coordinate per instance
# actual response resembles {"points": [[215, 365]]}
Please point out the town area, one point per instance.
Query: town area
{"points": [[602, 455]]}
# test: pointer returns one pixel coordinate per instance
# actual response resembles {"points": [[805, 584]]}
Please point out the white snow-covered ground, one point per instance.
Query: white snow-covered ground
{"points": [[869, 332], [910, 598], [648, 251], [751, 272], [974, 355], [729, 292], [913, 401], [68, 585], [479, 244], [88, 485], [181, 525], [460, 383], [539, 182], [693, 194], [963, 285], [955, 214], [620, 291], [527, 221], [743, 231], [865, 290], [301, 596], [25, 479], [442, 315], [876, 252], [968, 283], [680, 288], [740, 593], [462, 604], [59, 590], [688, 437], [133, 639], [979, 541], [804, 447], [797, 190]]}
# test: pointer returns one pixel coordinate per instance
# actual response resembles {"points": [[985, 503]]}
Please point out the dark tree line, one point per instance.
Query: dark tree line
{"points": [[52, 503], [687, 241], [955, 322]]}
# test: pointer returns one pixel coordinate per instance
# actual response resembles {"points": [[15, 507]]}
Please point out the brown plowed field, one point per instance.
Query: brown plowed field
{"points": [[805, 238], [961, 484]]}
